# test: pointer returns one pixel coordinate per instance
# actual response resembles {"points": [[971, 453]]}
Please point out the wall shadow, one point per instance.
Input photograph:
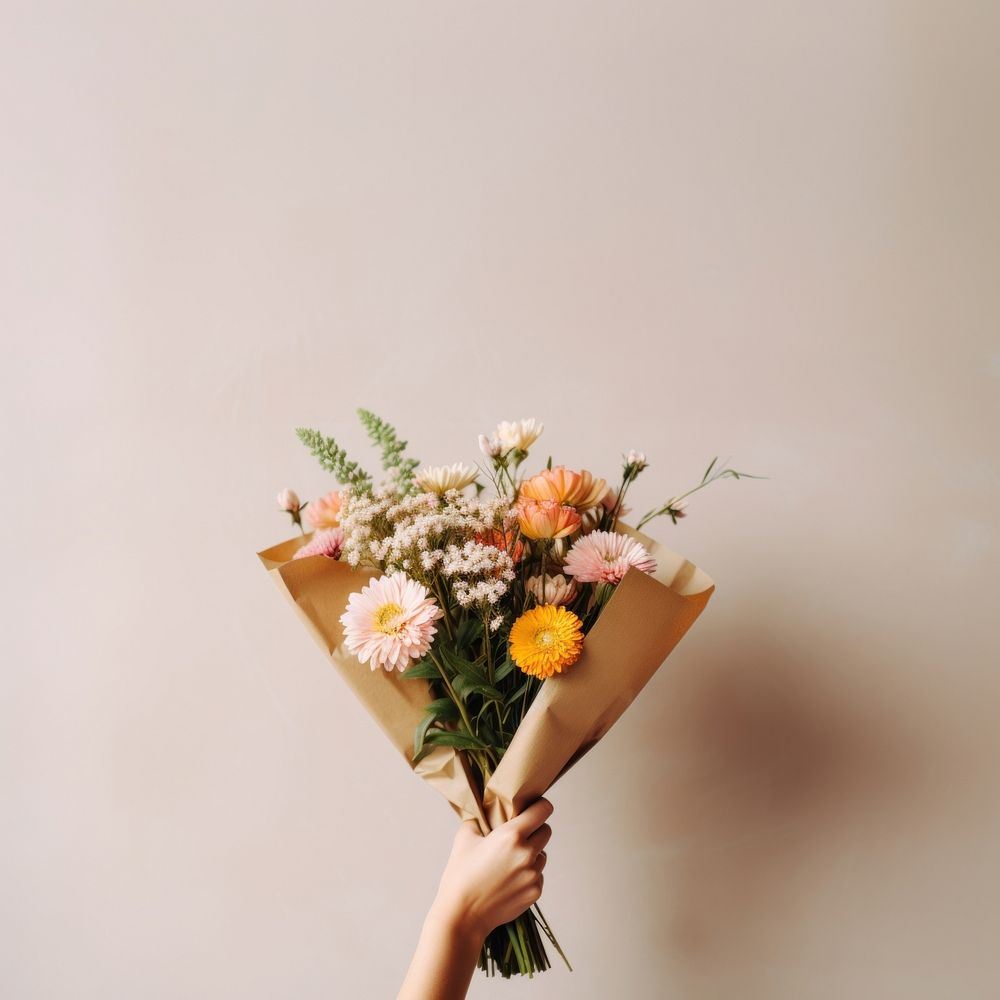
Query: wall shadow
{"points": [[765, 763]]}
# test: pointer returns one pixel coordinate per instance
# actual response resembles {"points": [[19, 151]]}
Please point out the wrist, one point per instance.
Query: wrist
{"points": [[457, 922]]}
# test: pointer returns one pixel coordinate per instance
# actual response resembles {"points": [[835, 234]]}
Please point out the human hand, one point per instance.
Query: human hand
{"points": [[493, 879]]}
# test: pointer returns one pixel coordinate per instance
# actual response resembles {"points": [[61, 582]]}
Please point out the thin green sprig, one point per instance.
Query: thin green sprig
{"points": [[385, 437], [670, 509], [334, 459]]}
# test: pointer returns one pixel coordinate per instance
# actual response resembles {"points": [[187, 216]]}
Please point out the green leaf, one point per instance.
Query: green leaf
{"points": [[466, 687], [470, 630], [439, 710], [503, 670], [425, 669], [463, 667], [420, 734], [461, 741], [442, 710], [515, 696], [484, 708], [487, 733]]}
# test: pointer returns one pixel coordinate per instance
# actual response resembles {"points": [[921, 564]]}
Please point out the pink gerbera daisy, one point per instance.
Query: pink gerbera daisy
{"points": [[390, 622], [324, 512], [605, 557], [327, 543]]}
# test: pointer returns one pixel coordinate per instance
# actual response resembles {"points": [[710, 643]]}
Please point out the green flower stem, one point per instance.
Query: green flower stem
{"points": [[443, 605], [490, 671], [709, 477], [460, 705], [519, 925], [545, 554], [522, 964], [548, 933]]}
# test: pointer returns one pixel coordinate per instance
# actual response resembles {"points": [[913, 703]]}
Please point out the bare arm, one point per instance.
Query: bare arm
{"points": [[486, 882]]}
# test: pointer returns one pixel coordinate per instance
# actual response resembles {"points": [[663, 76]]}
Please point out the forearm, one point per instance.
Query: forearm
{"points": [[445, 957]]}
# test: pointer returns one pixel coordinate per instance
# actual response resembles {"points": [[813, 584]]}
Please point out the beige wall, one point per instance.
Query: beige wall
{"points": [[766, 230]]}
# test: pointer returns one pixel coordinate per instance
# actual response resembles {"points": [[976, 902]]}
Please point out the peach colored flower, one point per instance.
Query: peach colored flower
{"points": [[325, 512], [502, 541], [390, 623], [557, 589], [605, 557], [573, 489], [329, 542], [546, 518]]}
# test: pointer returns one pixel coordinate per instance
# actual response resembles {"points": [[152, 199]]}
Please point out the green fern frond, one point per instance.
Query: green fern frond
{"points": [[333, 458], [383, 435]]}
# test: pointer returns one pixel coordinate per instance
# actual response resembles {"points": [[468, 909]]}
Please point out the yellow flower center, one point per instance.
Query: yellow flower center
{"points": [[386, 619], [544, 638]]}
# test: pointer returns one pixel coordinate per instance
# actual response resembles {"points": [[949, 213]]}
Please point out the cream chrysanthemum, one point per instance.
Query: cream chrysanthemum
{"points": [[605, 557], [441, 478], [518, 435], [390, 622]]}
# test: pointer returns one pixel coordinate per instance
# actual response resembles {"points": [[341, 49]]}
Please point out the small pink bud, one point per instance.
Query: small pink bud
{"points": [[490, 447], [289, 500]]}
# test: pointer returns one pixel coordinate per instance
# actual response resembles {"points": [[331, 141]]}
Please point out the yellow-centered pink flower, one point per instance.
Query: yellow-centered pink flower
{"points": [[390, 623], [605, 557]]}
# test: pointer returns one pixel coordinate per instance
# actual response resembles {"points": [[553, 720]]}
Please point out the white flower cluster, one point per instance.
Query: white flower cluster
{"points": [[425, 534], [480, 573]]}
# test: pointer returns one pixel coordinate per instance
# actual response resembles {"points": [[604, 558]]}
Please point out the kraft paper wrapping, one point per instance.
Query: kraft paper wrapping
{"points": [[641, 624]]}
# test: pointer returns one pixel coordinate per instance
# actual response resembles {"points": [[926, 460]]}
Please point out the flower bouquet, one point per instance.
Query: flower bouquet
{"points": [[494, 625]]}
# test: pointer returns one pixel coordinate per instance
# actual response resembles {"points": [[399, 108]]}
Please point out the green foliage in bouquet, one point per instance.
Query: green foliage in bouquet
{"points": [[394, 460], [333, 458], [383, 435]]}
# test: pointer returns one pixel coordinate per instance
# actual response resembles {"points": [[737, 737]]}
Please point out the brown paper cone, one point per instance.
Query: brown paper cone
{"points": [[646, 617], [643, 621], [318, 589]]}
